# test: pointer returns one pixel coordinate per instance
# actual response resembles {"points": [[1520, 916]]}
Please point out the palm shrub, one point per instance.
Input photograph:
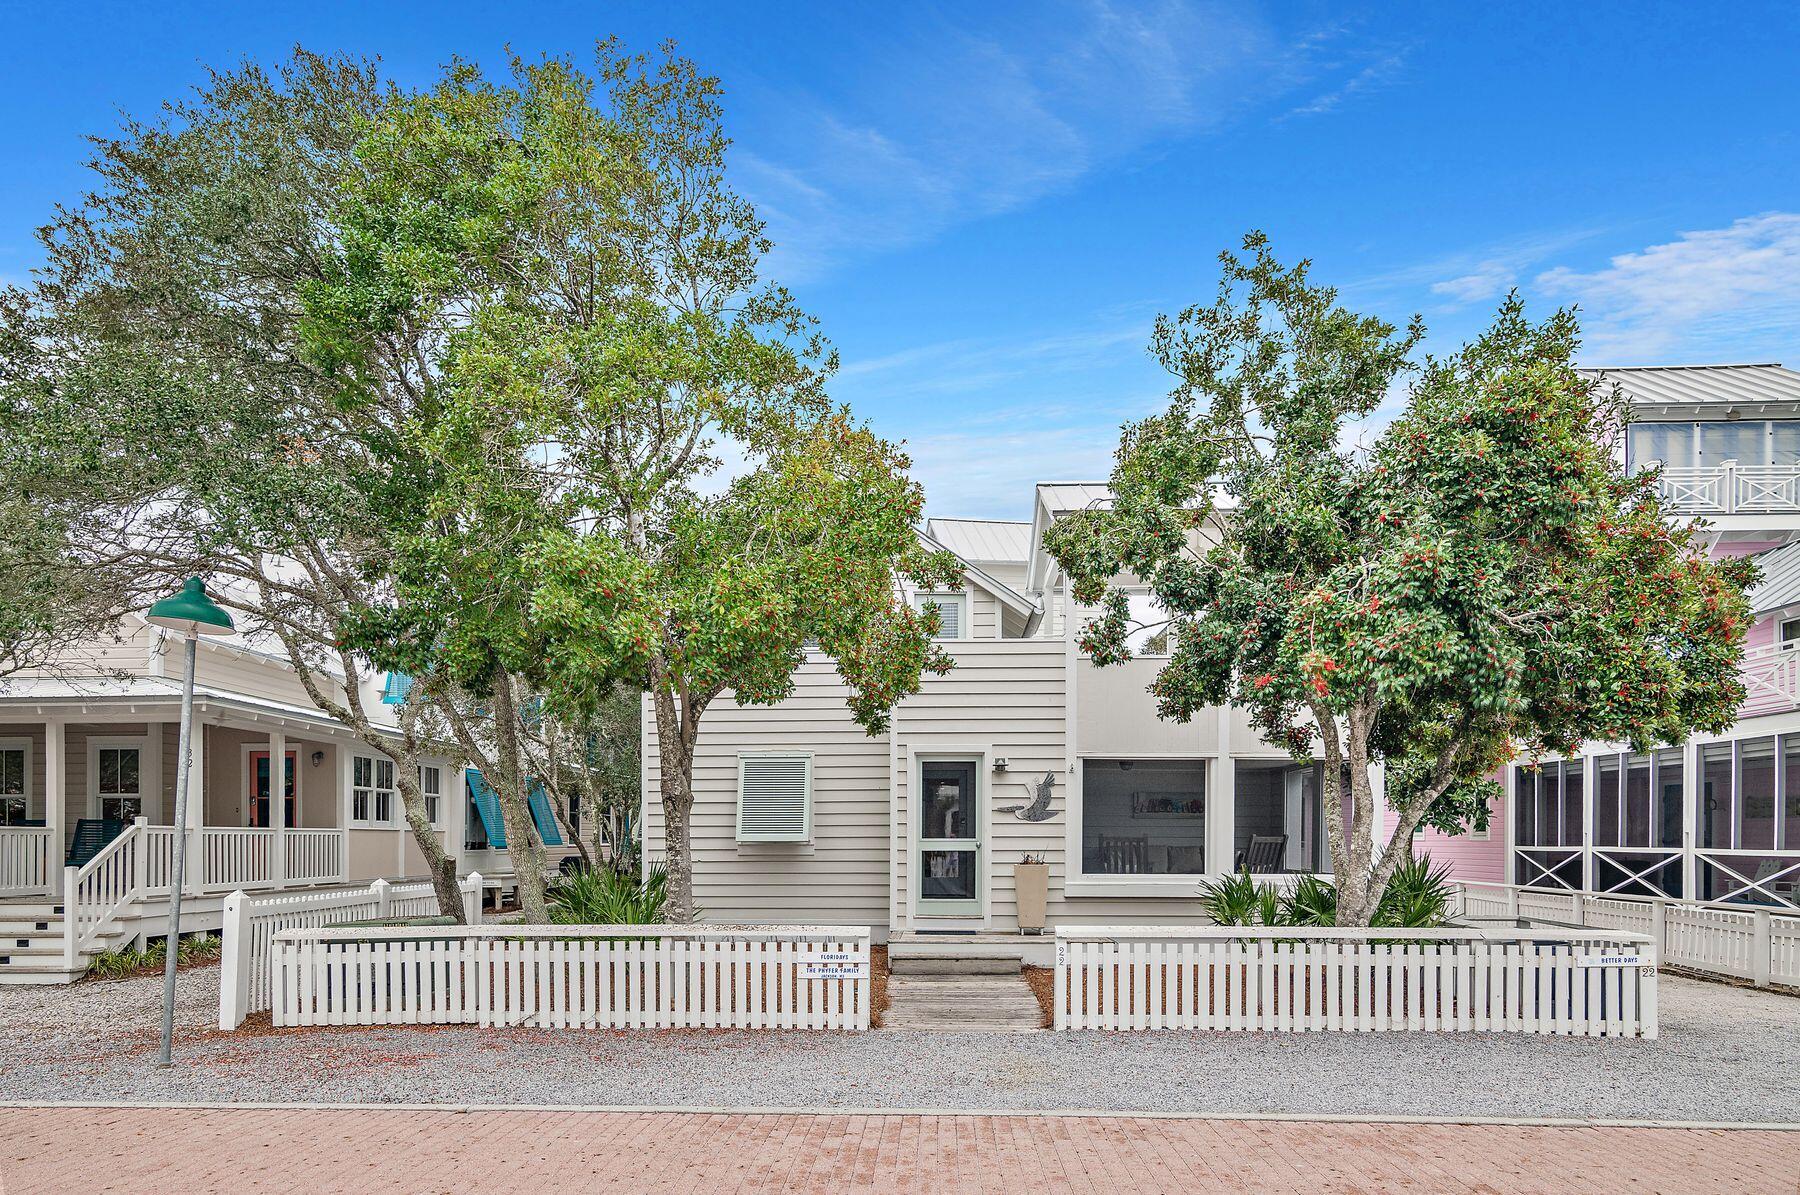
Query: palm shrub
{"points": [[1417, 896], [602, 896], [1312, 902], [1240, 900]]}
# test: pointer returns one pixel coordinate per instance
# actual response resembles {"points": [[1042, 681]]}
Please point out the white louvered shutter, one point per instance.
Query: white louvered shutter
{"points": [[950, 613], [774, 798]]}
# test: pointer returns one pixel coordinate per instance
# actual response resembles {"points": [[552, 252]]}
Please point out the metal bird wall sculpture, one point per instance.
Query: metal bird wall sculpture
{"points": [[1039, 810]]}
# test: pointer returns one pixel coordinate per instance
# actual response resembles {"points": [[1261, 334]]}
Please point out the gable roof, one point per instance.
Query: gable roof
{"points": [[1687, 384], [1006, 594], [1780, 584], [991, 541]]}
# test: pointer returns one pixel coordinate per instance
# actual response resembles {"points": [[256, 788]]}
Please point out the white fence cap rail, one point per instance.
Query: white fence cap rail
{"points": [[1285, 933], [709, 933]]}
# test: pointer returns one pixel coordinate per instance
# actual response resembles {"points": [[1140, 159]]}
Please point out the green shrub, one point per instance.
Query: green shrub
{"points": [[602, 896], [1417, 897], [129, 960]]}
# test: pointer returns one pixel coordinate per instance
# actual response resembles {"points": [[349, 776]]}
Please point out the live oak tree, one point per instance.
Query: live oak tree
{"points": [[1480, 582], [167, 395], [607, 339]]}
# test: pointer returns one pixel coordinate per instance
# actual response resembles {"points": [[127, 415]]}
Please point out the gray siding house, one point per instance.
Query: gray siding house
{"points": [[799, 816]]}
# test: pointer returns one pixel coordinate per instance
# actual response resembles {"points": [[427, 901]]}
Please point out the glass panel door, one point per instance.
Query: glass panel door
{"points": [[260, 813], [949, 852]]}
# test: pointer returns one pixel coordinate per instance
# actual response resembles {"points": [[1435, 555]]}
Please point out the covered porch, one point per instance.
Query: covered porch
{"points": [[81, 788]]}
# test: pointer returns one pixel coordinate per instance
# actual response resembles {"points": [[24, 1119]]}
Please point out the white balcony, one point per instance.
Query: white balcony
{"points": [[1731, 488], [1772, 677]]}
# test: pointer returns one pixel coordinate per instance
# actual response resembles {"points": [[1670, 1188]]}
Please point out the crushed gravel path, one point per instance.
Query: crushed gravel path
{"points": [[1726, 1055]]}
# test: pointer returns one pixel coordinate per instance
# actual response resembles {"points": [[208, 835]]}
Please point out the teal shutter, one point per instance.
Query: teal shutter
{"points": [[542, 814], [395, 689], [487, 807]]}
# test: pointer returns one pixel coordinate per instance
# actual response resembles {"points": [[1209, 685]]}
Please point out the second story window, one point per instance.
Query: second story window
{"points": [[1707, 445], [953, 612]]}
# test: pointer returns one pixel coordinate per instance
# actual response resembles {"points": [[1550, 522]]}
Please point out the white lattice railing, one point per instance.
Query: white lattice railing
{"points": [[575, 976], [1739, 941], [1593, 983], [251, 922], [1731, 488], [26, 861], [1771, 676]]}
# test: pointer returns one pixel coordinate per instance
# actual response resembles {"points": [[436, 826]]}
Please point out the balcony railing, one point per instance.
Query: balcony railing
{"points": [[1731, 488], [1772, 676]]}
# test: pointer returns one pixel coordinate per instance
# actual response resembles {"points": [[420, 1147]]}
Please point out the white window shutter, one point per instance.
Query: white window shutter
{"points": [[950, 607], [774, 798]]}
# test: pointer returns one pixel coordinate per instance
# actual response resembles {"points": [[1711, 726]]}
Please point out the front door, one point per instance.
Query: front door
{"points": [[260, 813], [949, 837]]}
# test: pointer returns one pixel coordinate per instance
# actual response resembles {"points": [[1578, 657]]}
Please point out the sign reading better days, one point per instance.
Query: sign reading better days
{"points": [[1611, 960], [832, 964]]}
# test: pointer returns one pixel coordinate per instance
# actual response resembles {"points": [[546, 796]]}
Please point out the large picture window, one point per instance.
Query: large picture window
{"points": [[1143, 817], [118, 781], [372, 795]]}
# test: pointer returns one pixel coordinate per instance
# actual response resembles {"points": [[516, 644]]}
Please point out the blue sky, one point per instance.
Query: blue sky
{"points": [[986, 204]]}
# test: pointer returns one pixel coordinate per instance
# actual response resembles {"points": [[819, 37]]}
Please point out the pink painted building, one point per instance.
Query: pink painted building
{"points": [[1716, 818]]}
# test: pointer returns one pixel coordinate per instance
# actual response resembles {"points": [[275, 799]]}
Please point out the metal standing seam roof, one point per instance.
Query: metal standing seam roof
{"points": [[1780, 584], [1686, 384], [990, 540]]}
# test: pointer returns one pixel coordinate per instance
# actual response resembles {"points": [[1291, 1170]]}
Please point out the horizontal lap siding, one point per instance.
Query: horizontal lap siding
{"points": [[1005, 697], [841, 875]]}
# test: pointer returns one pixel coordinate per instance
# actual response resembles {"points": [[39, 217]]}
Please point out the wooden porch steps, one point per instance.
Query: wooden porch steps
{"points": [[31, 944], [962, 1004]]}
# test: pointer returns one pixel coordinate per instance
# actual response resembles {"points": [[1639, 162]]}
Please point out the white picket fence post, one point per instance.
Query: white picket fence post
{"points": [[234, 963], [1761, 956], [384, 906], [471, 898]]}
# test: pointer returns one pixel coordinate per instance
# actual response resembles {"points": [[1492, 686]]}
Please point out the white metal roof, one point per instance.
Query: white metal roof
{"points": [[990, 541], [1061, 497], [1678, 385], [1780, 584]]}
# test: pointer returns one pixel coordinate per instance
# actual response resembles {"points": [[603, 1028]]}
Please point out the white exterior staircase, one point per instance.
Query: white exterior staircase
{"points": [[32, 944]]}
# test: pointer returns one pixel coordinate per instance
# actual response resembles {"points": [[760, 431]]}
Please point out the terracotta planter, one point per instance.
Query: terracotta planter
{"points": [[1031, 884]]}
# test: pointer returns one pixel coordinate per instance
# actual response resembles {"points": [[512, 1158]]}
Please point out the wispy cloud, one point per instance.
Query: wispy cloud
{"points": [[1711, 293], [957, 124], [1376, 75]]}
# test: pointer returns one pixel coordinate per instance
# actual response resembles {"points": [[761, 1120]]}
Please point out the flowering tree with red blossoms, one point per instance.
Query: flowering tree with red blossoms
{"points": [[1479, 581]]}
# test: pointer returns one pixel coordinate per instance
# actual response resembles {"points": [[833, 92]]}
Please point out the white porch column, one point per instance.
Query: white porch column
{"points": [[156, 804], [1221, 807], [194, 877], [56, 801], [278, 805], [1690, 817], [1590, 773]]}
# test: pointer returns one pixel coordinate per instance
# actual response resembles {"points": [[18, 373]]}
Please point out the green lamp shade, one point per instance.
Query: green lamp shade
{"points": [[191, 612]]}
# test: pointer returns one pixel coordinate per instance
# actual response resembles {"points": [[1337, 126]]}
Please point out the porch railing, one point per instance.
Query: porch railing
{"points": [[25, 860], [1731, 488], [1757, 944], [1771, 676], [95, 893], [141, 863], [315, 856]]}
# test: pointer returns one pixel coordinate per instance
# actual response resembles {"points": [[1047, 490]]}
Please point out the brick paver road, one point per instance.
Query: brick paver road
{"points": [[237, 1150]]}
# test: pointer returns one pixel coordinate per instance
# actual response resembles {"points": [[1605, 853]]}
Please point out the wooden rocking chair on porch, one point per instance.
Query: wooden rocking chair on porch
{"points": [[91, 836], [1265, 854]]}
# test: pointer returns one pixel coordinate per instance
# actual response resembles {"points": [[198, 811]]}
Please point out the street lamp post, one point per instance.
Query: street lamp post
{"points": [[191, 614]]}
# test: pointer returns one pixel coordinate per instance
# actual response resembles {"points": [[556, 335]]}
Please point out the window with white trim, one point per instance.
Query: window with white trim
{"points": [[1788, 633], [15, 772], [774, 798], [118, 782], [431, 787], [953, 612], [372, 795]]}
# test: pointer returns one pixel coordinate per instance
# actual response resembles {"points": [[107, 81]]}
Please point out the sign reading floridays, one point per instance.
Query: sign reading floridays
{"points": [[832, 964]]}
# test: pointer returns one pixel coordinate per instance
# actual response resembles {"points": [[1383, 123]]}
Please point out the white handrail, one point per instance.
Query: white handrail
{"points": [[95, 892], [1286, 933], [709, 933]]}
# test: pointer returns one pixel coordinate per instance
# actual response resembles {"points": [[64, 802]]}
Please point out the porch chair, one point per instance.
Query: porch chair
{"points": [[91, 836], [1123, 856], [1265, 854]]}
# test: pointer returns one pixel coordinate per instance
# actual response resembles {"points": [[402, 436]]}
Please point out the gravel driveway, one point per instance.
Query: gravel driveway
{"points": [[1726, 1054]]}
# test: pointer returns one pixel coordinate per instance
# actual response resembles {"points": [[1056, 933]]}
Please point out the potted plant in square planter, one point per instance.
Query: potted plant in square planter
{"points": [[1031, 886]]}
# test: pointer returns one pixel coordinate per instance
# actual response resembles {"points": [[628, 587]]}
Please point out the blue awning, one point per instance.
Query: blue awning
{"points": [[487, 807], [544, 816]]}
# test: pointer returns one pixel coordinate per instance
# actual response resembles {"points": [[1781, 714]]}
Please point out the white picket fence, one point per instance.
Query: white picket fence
{"points": [[1594, 983], [251, 923], [575, 976], [1738, 941]]}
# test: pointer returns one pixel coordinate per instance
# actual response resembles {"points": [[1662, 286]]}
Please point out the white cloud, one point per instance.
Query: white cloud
{"points": [[956, 124], [1711, 294], [1489, 280], [1376, 75]]}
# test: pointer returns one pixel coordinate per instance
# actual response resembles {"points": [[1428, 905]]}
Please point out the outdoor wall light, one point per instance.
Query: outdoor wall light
{"points": [[318, 757]]}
